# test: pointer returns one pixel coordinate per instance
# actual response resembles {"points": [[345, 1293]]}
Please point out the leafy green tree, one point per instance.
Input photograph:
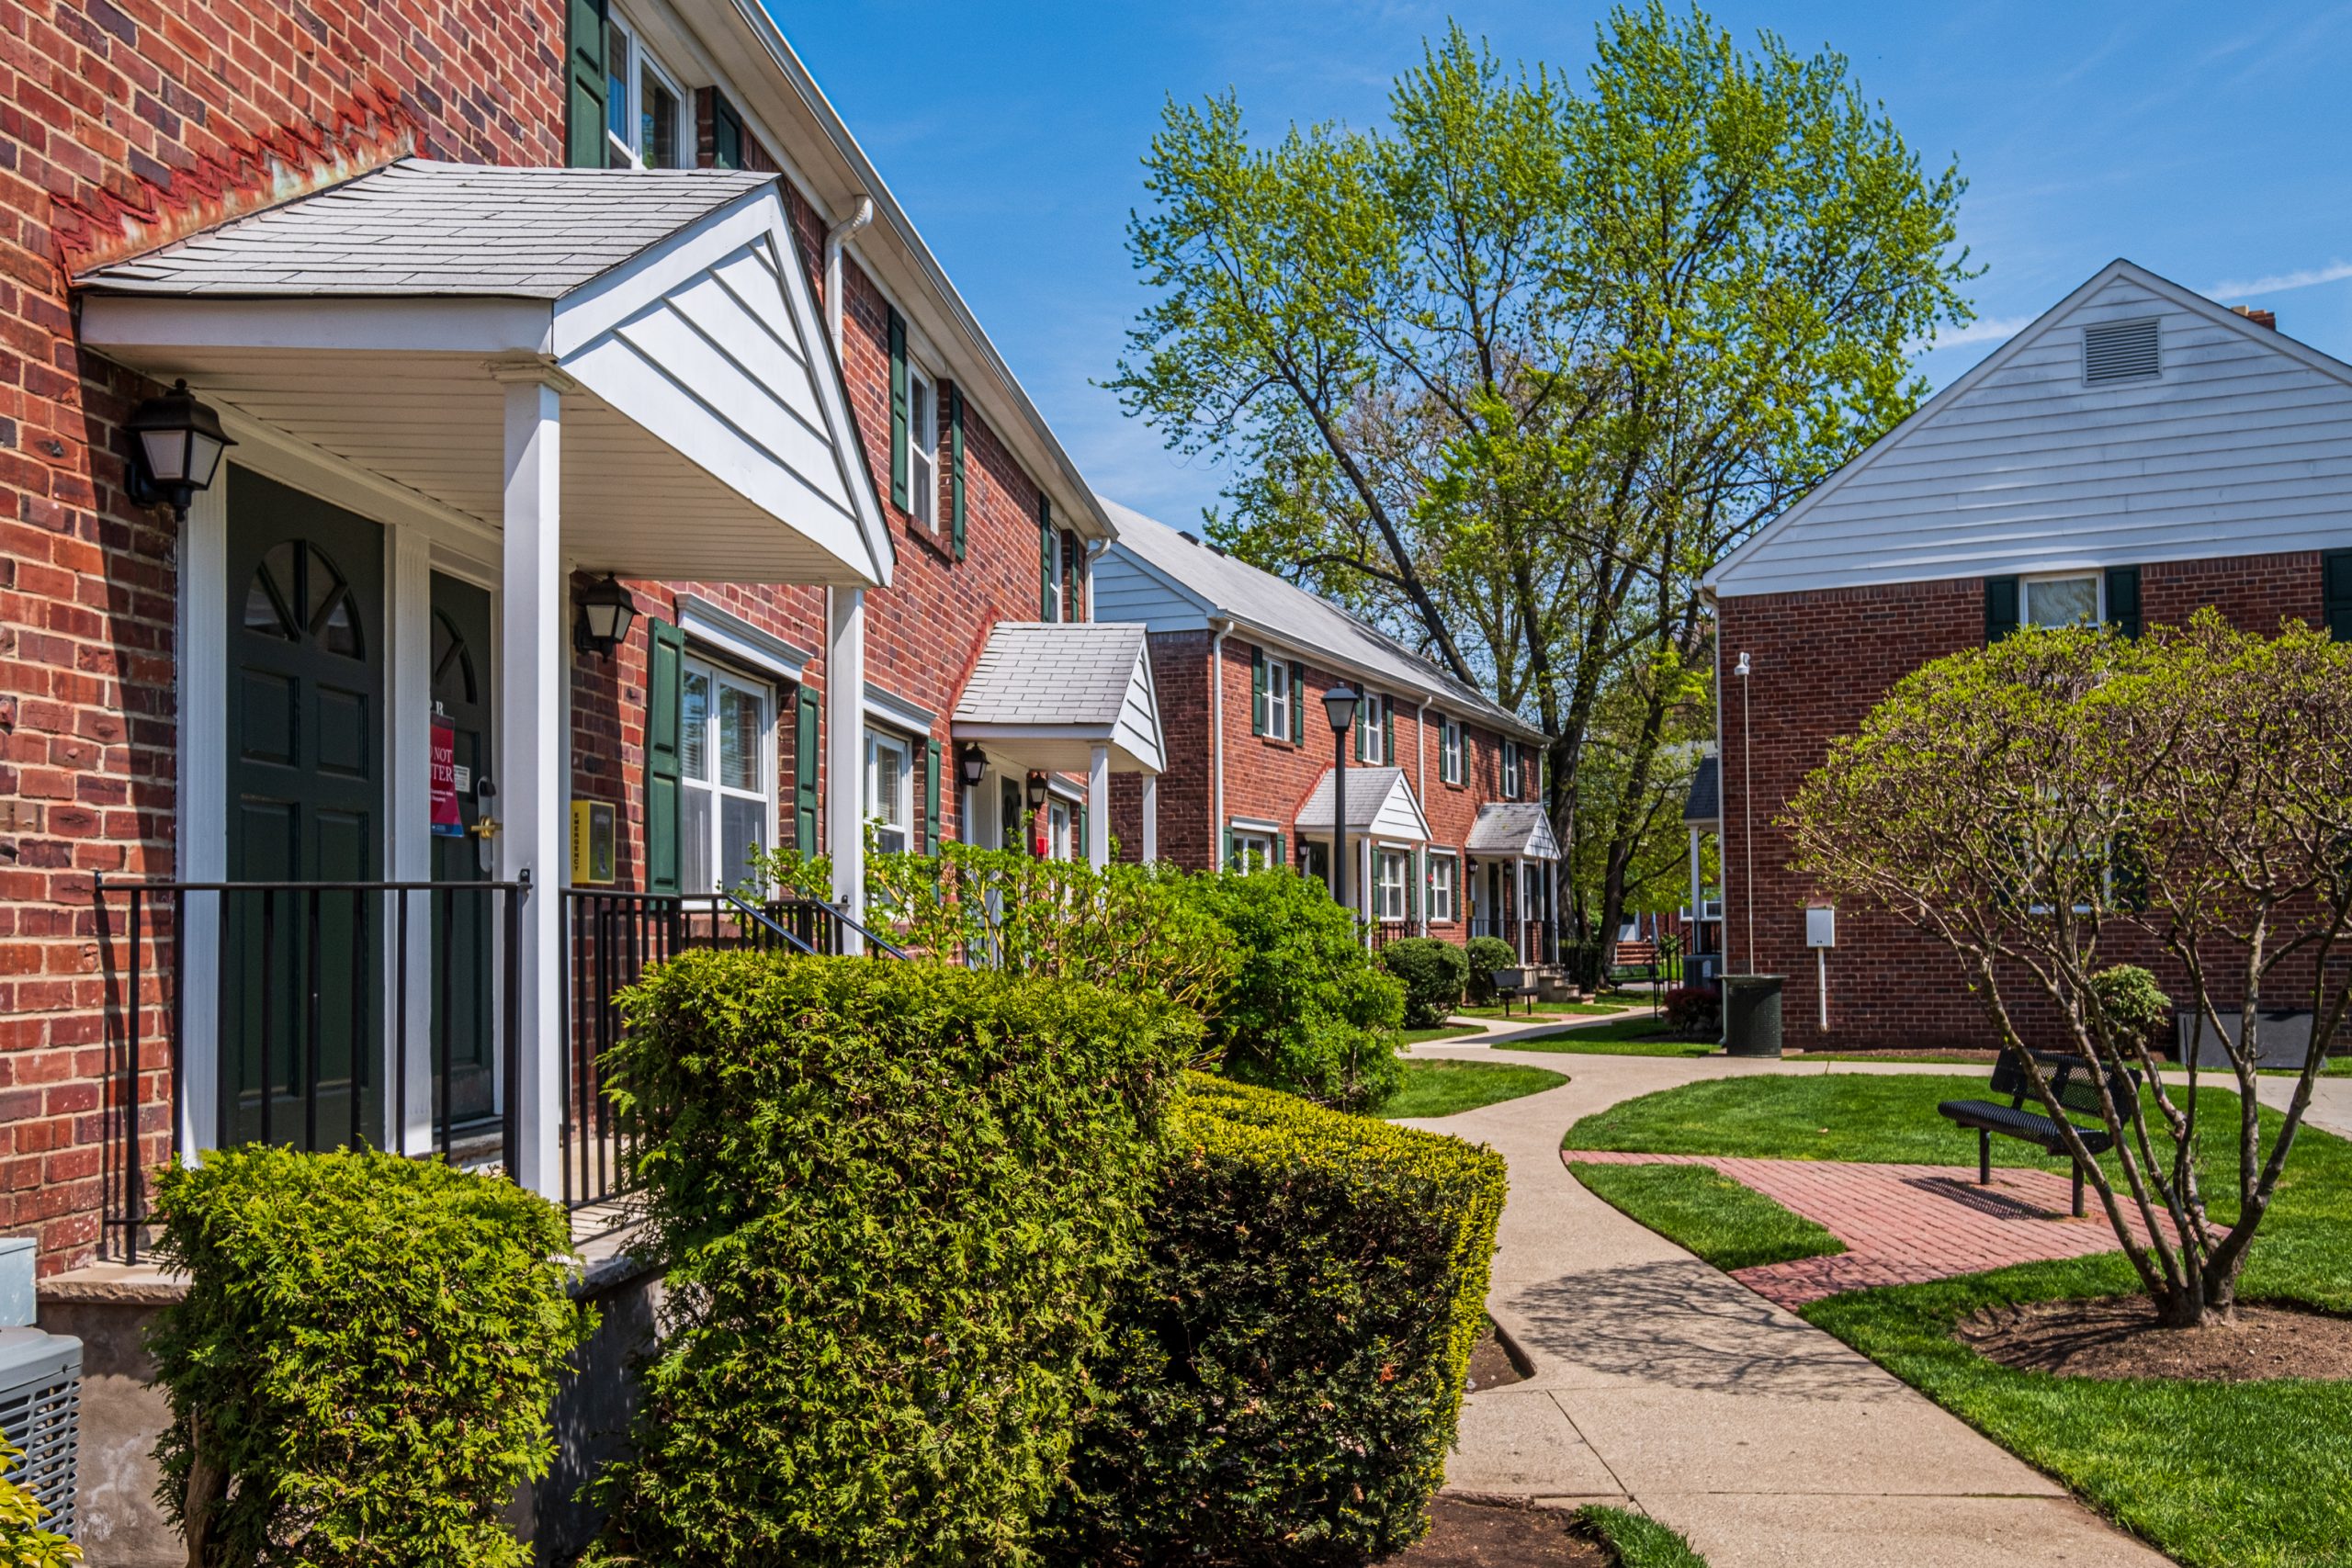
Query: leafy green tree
{"points": [[1510, 371], [2029, 802]]}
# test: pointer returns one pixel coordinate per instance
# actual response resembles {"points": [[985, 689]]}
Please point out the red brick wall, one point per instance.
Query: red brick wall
{"points": [[1821, 661], [123, 125]]}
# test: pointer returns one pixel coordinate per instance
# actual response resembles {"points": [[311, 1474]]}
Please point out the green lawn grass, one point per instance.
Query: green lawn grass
{"points": [[2245, 1475], [1441, 1032], [1518, 1009], [1444, 1088], [1726, 1224], [1642, 1036], [1638, 1541]]}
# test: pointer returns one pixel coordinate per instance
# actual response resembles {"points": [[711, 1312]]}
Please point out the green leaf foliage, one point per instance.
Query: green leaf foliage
{"points": [[361, 1370], [892, 1199], [1307, 1010], [1285, 1368], [1433, 973], [23, 1543], [1486, 955]]}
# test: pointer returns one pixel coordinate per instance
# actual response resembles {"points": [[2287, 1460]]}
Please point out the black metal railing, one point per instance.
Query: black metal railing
{"points": [[312, 976]]}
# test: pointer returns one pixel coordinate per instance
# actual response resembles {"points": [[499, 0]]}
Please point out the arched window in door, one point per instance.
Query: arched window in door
{"points": [[297, 595]]}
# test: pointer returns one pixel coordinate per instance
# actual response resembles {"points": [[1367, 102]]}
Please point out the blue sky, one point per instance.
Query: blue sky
{"points": [[2212, 143]]}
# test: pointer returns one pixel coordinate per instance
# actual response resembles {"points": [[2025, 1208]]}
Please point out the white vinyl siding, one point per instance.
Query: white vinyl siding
{"points": [[2243, 445]]}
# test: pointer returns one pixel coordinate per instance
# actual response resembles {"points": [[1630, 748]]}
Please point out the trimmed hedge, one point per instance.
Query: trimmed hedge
{"points": [[1285, 1368], [1308, 1010], [1433, 973], [893, 1199], [361, 1370], [1486, 955]]}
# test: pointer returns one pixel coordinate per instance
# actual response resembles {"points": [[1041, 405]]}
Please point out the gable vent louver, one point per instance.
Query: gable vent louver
{"points": [[2122, 351]]}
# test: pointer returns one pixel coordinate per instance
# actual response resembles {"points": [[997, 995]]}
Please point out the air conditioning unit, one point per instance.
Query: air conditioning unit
{"points": [[40, 1407]]}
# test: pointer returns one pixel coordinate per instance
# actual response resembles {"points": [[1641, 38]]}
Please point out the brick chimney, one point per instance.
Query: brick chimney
{"points": [[2260, 317]]}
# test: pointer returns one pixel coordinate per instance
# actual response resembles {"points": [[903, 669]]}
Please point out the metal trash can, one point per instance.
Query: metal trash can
{"points": [[1752, 1014]]}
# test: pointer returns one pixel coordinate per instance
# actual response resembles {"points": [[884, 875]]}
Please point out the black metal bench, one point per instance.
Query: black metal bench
{"points": [[2073, 1086], [1510, 983]]}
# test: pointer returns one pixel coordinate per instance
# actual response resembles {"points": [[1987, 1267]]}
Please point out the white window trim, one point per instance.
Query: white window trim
{"points": [[1248, 845], [1383, 858], [876, 741], [719, 674], [1449, 750], [2026, 585], [639, 59], [923, 445], [1278, 697], [1453, 865], [1061, 830], [1376, 720]]}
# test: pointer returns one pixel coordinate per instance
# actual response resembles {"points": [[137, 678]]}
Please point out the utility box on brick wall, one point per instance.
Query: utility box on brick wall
{"points": [[1821, 926]]}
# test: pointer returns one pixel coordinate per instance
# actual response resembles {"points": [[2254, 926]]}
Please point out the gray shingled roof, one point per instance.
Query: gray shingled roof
{"points": [[1368, 790], [1705, 806], [1049, 672], [421, 228], [1287, 611], [1516, 828]]}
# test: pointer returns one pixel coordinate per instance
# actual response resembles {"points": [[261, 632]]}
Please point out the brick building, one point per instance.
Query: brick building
{"points": [[1445, 827], [2135, 453]]}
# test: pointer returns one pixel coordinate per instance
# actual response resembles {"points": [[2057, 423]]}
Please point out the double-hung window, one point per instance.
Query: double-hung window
{"points": [[2060, 601], [1449, 751], [644, 109], [1371, 721], [1278, 699], [726, 776], [1442, 888], [922, 447], [1511, 770], [1390, 899], [1253, 851], [890, 791]]}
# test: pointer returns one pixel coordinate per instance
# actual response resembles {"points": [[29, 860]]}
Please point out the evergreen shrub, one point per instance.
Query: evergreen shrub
{"points": [[893, 1199], [1433, 973], [360, 1373], [1285, 1366], [1486, 955]]}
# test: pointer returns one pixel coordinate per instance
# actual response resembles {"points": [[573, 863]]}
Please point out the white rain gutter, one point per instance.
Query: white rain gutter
{"points": [[1223, 629], [860, 213]]}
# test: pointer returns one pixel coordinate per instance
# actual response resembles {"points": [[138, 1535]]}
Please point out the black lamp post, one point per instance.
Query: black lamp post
{"points": [[1340, 707], [179, 443], [601, 613]]}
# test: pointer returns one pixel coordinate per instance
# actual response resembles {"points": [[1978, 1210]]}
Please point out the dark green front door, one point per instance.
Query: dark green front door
{"points": [[463, 1000], [300, 1007]]}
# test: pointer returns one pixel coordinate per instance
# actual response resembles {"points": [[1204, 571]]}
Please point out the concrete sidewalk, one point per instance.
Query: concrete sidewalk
{"points": [[1661, 1382]]}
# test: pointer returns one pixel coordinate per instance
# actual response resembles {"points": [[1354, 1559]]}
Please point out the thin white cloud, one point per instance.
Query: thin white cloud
{"points": [[1985, 328], [2278, 283]]}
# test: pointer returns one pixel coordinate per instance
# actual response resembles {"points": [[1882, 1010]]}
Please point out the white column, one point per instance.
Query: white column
{"points": [[411, 839], [1150, 818], [203, 827], [1698, 896], [1098, 806], [845, 754], [532, 753], [1365, 901]]}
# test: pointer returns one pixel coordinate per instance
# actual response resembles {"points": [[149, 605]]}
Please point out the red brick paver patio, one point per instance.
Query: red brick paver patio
{"points": [[1903, 1225]]}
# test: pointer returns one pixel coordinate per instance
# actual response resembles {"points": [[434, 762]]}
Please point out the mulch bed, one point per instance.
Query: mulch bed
{"points": [[1464, 1534], [1491, 1362], [2118, 1337]]}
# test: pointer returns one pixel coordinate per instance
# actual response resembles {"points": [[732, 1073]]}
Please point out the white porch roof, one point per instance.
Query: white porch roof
{"points": [[1380, 805], [1046, 694], [1513, 829], [705, 432]]}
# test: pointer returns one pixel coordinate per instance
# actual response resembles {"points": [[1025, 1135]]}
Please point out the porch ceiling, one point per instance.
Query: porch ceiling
{"points": [[706, 433]]}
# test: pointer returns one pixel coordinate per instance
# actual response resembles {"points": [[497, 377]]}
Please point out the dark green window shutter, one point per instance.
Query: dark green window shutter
{"points": [[956, 466], [1363, 723], [2335, 582], [931, 797], [804, 771], [583, 113], [1044, 558], [1227, 862], [2000, 607], [1257, 691], [898, 410], [1274, 860], [665, 672], [1077, 846], [1297, 703], [2124, 600]]}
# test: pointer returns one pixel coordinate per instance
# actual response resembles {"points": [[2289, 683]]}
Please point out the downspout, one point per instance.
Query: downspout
{"points": [[1223, 629], [860, 213], [1094, 552], [1421, 785]]}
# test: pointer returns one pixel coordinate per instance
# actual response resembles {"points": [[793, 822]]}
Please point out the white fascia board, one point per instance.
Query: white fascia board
{"points": [[1151, 747], [1717, 583], [140, 329]]}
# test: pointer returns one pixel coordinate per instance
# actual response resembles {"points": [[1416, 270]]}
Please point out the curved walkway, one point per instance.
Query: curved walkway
{"points": [[1662, 1382]]}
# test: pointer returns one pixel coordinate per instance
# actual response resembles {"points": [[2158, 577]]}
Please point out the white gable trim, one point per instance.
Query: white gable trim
{"points": [[2112, 536]]}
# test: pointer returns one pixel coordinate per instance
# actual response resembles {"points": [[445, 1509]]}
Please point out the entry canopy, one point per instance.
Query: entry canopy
{"points": [[1513, 830], [1046, 694], [705, 435], [1380, 803]]}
